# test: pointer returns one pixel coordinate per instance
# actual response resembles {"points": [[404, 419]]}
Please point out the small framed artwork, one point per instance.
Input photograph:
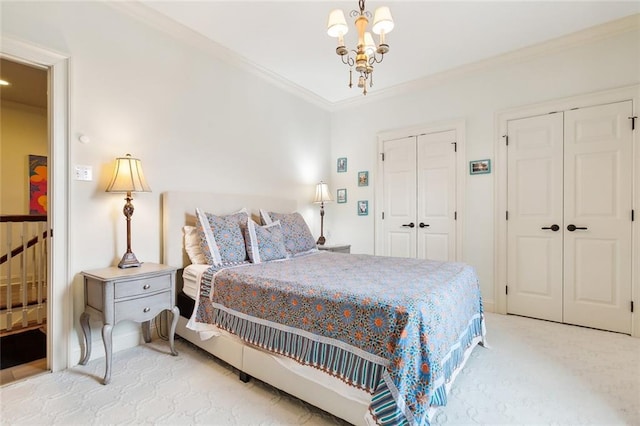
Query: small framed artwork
{"points": [[363, 178], [363, 208], [342, 195], [342, 164], [479, 167]]}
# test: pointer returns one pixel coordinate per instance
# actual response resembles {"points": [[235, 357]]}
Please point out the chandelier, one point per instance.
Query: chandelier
{"points": [[366, 53]]}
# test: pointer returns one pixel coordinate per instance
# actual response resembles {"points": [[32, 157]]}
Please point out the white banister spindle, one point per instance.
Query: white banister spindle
{"points": [[9, 308], [40, 271], [24, 263]]}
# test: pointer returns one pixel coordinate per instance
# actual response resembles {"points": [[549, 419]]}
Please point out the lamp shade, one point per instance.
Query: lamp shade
{"points": [[128, 176], [322, 193], [382, 21], [337, 25], [369, 44]]}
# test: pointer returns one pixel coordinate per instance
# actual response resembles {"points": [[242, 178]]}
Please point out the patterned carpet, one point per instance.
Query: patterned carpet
{"points": [[534, 372]]}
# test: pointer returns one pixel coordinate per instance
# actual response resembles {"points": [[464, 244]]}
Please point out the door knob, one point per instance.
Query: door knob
{"points": [[410, 225], [422, 225], [572, 227], [553, 227]]}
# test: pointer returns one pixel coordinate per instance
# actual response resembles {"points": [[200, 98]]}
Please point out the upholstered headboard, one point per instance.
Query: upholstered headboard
{"points": [[179, 209]]}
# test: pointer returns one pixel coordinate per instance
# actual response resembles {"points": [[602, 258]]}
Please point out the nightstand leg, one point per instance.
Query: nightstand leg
{"points": [[174, 322], [86, 332], [106, 338], [146, 331]]}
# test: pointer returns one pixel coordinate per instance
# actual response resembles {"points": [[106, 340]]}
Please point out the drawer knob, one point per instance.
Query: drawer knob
{"points": [[147, 309], [146, 287]]}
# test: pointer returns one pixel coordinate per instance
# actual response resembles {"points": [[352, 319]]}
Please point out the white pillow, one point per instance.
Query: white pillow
{"points": [[192, 245]]}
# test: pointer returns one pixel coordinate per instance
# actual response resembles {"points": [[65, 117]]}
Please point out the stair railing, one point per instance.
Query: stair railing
{"points": [[25, 267]]}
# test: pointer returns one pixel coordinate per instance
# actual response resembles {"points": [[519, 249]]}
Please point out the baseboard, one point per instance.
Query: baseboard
{"points": [[489, 305]]}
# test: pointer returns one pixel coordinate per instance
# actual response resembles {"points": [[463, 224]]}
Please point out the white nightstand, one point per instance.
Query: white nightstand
{"points": [[135, 294], [336, 248]]}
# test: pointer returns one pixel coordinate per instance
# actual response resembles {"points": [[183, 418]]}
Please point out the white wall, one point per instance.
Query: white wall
{"points": [[475, 97], [196, 122]]}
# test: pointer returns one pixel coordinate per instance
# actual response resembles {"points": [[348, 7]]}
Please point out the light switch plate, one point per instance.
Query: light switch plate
{"points": [[83, 173]]}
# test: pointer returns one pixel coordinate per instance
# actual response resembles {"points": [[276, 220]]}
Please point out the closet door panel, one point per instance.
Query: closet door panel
{"points": [[598, 202], [399, 174], [436, 189], [535, 198]]}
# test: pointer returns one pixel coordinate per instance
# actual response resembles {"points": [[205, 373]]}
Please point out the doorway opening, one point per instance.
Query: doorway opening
{"points": [[24, 221]]}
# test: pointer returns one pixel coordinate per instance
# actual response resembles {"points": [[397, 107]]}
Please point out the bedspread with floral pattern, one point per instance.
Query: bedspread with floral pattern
{"points": [[395, 327]]}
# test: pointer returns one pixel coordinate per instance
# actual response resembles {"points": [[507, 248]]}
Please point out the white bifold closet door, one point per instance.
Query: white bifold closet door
{"points": [[569, 216], [419, 190]]}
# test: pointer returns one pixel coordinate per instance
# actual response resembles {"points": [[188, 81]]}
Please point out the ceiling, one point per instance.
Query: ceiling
{"points": [[289, 39], [27, 85]]}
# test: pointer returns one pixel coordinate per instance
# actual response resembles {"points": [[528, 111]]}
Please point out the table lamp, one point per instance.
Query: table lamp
{"points": [[128, 178], [322, 195]]}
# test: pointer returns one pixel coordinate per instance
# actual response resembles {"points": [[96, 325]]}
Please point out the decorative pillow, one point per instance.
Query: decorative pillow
{"points": [[297, 236], [264, 243], [221, 237], [192, 245]]}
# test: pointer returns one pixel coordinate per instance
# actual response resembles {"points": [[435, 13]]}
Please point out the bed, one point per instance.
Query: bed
{"points": [[323, 331]]}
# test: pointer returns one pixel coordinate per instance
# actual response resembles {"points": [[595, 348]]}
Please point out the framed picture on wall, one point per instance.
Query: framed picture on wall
{"points": [[37, 184], [341, 195], [363, 178], [363, 208], [479, 167], [342, 165]]}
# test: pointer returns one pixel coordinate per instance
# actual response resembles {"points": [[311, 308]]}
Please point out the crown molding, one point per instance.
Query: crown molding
{"points": [[559, 44], [175, 29]]}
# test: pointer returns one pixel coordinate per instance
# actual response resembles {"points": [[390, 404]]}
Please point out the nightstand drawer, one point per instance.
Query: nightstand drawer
{"points": [[143, 308], [142, 286]]}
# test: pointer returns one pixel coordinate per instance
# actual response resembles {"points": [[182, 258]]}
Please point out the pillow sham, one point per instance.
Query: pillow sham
{"points": [[221, 237], [264, 243], [297, 236], [192, 245]]}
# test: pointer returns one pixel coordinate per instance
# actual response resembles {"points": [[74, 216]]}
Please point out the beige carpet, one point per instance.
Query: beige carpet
{"points": [[535, 372]]}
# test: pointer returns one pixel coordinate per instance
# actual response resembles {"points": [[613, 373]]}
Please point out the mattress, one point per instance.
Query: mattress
{"points": [[191, 280]]}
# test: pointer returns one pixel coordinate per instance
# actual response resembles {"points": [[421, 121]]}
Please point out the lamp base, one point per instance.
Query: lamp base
{"points": [[129, 261], [321, 240]]}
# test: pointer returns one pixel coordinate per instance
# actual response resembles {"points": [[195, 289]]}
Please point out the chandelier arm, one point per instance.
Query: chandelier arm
{"points": [[374, 59], [347, 60]]}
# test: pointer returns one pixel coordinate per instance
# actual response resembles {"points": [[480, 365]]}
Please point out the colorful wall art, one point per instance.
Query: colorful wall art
{"points": [[37, 184]]}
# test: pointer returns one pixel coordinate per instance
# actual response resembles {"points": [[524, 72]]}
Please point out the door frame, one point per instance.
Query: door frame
{"points": [[461, 168], [59, 289], [632, 93]]}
